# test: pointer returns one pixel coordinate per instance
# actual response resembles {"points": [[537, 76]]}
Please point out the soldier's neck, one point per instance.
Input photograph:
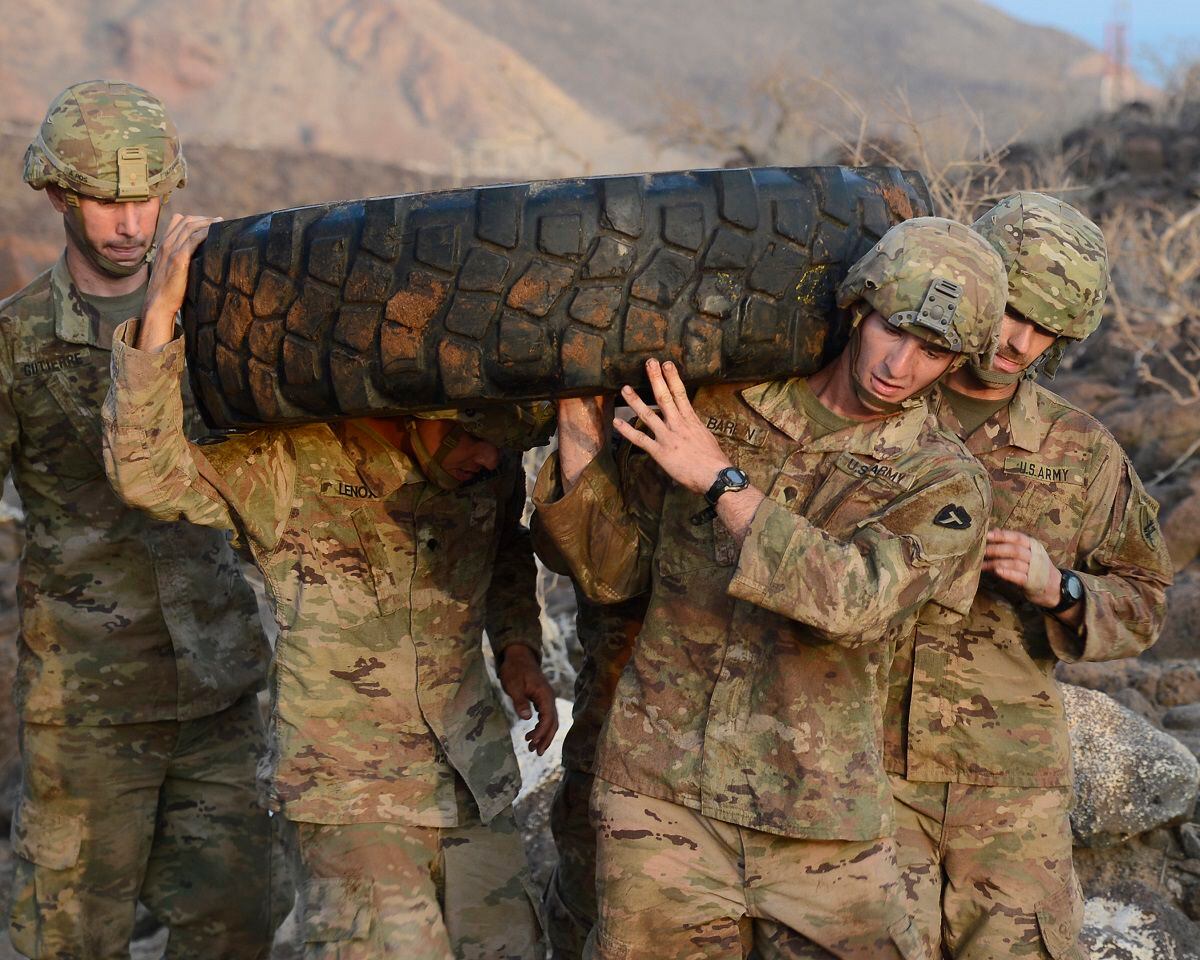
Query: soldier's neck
{"points": [[965, 382], [834, 387], [95, 282]]}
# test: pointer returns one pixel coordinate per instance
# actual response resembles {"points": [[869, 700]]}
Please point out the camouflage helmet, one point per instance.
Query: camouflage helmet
{"points": [[1056, 262], [937, 279], [508, 426], [519, 426], [107, 140]]}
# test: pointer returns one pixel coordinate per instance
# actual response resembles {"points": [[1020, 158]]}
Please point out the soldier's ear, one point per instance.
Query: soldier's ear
{"points": [[57, 197]]}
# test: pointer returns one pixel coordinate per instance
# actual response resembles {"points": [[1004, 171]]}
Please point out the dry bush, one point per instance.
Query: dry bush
{"points": [[773, 124], [1155, 295], [790, 120]]}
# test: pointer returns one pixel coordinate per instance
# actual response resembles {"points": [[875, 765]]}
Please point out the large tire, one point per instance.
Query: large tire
{"points": [[532, 290]]}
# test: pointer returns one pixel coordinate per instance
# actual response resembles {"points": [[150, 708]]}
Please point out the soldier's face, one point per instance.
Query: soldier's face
{"points": [[470, 455], [1021, 343], [893, 364], [122, 232]]}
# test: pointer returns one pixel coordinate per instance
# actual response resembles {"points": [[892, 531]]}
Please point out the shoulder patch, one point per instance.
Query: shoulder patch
{"points": [[1148, 520], [953, 517]]}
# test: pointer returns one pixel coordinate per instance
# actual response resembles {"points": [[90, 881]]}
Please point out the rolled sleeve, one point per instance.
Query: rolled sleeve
{"points": [[594, 535], [146, 452], [1125, 576]]}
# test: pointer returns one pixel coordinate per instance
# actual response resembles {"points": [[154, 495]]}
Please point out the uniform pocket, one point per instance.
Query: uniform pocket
{"points": [[1060, 918], [337, 909], [537, 917], [354, 563], [908, 942], [75, 453], [50, 840], [607, 947], [41, 920]]}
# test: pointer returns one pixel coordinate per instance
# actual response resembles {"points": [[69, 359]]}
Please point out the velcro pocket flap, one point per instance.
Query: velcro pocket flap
{"points": [[50, 840], [904, 935], [1060, 918], [337, 909]]}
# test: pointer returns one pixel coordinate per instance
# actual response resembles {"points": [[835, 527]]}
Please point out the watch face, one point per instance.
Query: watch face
{"points": [[734, 478], [1074, 587]]}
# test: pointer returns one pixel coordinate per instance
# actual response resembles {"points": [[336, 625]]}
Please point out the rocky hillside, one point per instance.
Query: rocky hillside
{"points": [[415, 84], [520, 87], [944, 53], [282, 103]]}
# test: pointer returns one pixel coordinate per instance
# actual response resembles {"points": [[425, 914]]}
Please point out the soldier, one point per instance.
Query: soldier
{"points": [[141, 650], [387, 547], [606, 634], [1075, 569], [788, 533]]}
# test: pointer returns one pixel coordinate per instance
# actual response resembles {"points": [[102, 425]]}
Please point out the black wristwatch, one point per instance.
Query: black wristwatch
{"points": [[1070, 591], [729, 480]]}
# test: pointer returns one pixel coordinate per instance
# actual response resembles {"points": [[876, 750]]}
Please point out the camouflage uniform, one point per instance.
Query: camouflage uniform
{"points": [[976, 735], [140, 729], [741, 795], [390, 747], [606, 634]]}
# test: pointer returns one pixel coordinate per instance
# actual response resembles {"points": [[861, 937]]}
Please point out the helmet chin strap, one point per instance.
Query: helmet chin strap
{"points": [[73, 223], [1052, 358], [996, 378], [1046, 365], [431, 463]]}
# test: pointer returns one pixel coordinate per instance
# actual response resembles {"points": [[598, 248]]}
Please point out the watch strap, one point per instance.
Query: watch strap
{"points": [[1065, 599], [719, 486]]}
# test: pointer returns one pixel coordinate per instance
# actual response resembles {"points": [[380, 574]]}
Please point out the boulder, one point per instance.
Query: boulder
{"points": [[1133, 699], [1180, 635], [1129, 776], [1155, 431], [1189, 838], [1179, 683], [1113, 676], [1186, 717], [1133, 922], [1180, 519], [540, 777]]}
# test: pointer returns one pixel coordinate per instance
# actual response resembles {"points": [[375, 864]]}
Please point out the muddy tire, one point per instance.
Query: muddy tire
{"points": [[529, 290]]}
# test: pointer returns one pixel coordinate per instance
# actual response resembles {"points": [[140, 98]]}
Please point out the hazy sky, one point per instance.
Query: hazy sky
{"points": [[1170, 29]]}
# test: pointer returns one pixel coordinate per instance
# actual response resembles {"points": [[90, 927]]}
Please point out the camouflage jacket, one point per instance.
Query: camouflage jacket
{"points": [[978, 703], [124, 619], [382, 584], [606, 635], [756, 686]]}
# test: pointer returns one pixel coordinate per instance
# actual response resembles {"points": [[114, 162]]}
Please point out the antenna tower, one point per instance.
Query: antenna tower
{"points": [[1114, 80]]}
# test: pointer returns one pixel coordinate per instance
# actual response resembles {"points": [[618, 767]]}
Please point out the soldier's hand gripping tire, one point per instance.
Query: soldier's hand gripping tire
{"points": [[533, 290]]}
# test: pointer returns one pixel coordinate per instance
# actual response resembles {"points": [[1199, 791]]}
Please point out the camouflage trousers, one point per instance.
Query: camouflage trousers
{"points": [[675, 885], [371, 890], [165, 812], [988, 871], [569, 903]]}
